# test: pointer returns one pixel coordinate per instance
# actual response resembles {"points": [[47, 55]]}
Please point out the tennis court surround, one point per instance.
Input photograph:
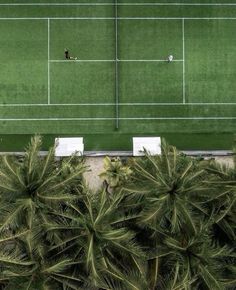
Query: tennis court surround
{"points": [[121, 85]]}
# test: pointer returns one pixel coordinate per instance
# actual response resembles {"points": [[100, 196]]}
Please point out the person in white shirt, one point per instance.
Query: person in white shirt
{"points": [[170, 58]]}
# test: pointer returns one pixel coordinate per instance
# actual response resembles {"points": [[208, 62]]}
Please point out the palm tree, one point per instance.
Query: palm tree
{"points": [[94, 235], [24, 270], [30, 188], [222, 201], [30, 185], [158, 230], [115, 173], [166, 192], [201, 262], [172, 188]]}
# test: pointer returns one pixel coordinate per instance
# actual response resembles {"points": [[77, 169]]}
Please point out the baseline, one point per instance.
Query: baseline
{"points": [[118, 18], [121, 118], [120, 4], [112, 104]]}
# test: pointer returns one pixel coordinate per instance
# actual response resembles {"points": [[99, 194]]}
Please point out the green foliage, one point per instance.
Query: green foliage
{"points": [[176, 211], [115, 173], [222, 201], [93, 227], [171, 188], [168, 224], [31, 188]]}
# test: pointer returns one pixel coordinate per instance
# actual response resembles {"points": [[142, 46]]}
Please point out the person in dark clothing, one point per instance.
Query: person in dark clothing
{"points": [[67, 55]]}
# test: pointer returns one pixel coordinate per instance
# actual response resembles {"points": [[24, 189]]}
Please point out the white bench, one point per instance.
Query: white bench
{"points": [[68, 146], [151, 144]]}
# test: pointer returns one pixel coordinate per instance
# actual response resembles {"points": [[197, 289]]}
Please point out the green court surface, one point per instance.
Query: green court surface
{"points": [[121, 84]]}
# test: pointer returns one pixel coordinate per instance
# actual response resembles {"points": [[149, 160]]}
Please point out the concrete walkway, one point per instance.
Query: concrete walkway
{"points": [[96, 167]]}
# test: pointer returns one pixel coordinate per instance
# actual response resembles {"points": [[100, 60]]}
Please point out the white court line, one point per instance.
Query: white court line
{"points": [[178, 4], [115, 60], [175, 104], [57, 18], [148, 60], [176, 18], [112, 118], [116, 66], [82, 60], [183, 36], [118, 18], [48, 61], [120, 104], [57, 4], [120, 4]]}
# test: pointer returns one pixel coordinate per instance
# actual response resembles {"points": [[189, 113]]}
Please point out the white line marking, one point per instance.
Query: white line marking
{"points": [[112, 118], [118, 18], [57, 18], [121, 104], [113, 60], [178, 4], [82, 60], [56, 4], [116, 67], [120, 4], [176, 18], [174, 104], [48, 61], [183, 36], [149, 60]]}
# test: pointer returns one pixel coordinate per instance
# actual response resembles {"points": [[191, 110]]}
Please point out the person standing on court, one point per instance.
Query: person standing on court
{"points": [[67, 55], [170, 58]]}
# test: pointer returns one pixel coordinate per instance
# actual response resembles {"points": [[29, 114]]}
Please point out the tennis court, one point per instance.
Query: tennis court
{"points": [[121, 85]]}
